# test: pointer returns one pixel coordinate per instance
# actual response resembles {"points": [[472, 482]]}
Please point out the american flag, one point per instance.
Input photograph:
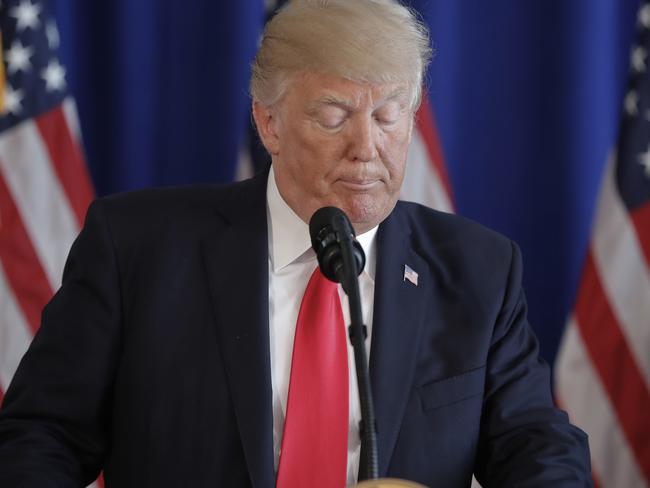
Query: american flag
{"points": [[410, 275], [44, 184], [603, 366]]}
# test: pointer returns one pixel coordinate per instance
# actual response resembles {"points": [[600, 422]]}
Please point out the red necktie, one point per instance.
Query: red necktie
{"points": [[315, 440]]}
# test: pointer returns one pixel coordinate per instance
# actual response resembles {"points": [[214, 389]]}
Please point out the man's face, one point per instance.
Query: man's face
{"points": [[335, 142]]}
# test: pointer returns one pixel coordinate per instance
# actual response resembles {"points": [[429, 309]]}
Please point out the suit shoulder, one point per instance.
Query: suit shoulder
{"points": [[427, 223], [151, 213], [156, 205], [151, 201], [457, 244], [466, 259]]}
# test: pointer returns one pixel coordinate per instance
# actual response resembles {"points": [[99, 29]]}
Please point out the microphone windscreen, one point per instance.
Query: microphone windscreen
{"points": [[329, 217], [329, 227]]}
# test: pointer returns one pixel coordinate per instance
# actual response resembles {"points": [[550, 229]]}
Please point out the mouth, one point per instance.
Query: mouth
{"points": [[360, 185]]}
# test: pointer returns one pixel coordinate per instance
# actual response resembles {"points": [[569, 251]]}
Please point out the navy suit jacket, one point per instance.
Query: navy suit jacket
{"points": [[152, 361]]}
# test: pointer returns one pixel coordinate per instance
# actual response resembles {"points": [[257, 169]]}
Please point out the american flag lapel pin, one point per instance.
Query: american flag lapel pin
{"points": [[410, 275]]}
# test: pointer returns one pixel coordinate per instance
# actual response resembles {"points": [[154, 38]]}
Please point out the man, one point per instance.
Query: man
{"points": [[166, 357]]}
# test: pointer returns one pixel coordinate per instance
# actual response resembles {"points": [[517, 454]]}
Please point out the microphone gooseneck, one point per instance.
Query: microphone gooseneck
{"points": [[341, 259]]}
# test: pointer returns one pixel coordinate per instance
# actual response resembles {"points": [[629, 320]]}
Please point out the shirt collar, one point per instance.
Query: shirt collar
{"points": [[289, 235]]}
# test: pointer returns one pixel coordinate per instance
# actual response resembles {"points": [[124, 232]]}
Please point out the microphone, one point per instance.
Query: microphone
{"points": [[330, 231], [341, 259]]}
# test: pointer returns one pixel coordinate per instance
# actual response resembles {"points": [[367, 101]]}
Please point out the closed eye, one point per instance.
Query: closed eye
{"points": [[388, 114], [386, 120], [331, 117], [331, 124]]}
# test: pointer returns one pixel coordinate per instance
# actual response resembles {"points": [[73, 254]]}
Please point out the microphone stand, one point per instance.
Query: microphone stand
{"points": [[338, 262], [369, 464], [358, 334]]}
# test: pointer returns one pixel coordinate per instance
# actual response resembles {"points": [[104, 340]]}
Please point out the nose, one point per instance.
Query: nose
{"points": [[362, 140]]}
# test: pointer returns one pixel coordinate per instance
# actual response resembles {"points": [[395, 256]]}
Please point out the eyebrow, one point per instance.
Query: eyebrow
{"points": [[348, 105], [332, 100], [397, 93]]}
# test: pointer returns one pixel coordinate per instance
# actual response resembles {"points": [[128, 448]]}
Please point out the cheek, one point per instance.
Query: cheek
{"points": [[311, 163], [306, 143], [395, 158], [318, 158]]}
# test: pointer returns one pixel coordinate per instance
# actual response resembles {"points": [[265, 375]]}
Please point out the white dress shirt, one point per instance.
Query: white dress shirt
{"points": [[291, 263]]}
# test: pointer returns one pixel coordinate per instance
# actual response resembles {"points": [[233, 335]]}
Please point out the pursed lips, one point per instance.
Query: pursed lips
{"points": [[359, 184]]}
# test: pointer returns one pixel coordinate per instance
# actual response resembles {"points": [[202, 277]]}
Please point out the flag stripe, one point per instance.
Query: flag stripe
{"points": [[25, 275], [595, 478], [41, 202], [426, 125], [614, 362], [581, 393], [623, 269], [67, 160], [421, 184], [15, 334], [70, 113], [641, 221]]}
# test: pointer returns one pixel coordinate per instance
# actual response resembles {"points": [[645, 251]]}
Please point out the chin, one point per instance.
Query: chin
{"points": [[364, 211], [365, 219]]}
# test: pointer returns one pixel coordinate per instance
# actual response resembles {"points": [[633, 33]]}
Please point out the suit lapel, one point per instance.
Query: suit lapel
{"points": [[399, 308], [236, 260]]}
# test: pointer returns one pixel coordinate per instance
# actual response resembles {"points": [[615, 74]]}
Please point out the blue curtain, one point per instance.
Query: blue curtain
{"points": [[161, 86], [527, 97]]}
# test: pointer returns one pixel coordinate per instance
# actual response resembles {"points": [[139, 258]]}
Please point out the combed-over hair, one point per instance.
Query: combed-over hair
{"points": [[368, 41]]}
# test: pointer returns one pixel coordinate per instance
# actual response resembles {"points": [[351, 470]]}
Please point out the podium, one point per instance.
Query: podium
{"points": [[388, 483]]}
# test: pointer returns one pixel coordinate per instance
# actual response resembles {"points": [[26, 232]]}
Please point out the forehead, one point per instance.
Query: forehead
{"points": [[314, 89]]}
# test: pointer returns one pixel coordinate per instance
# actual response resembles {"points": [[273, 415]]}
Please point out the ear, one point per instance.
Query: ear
{"points": [[266, 122]]}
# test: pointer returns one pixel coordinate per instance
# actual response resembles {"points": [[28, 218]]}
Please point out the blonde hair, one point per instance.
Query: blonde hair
{"points": [[367, 41]]}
